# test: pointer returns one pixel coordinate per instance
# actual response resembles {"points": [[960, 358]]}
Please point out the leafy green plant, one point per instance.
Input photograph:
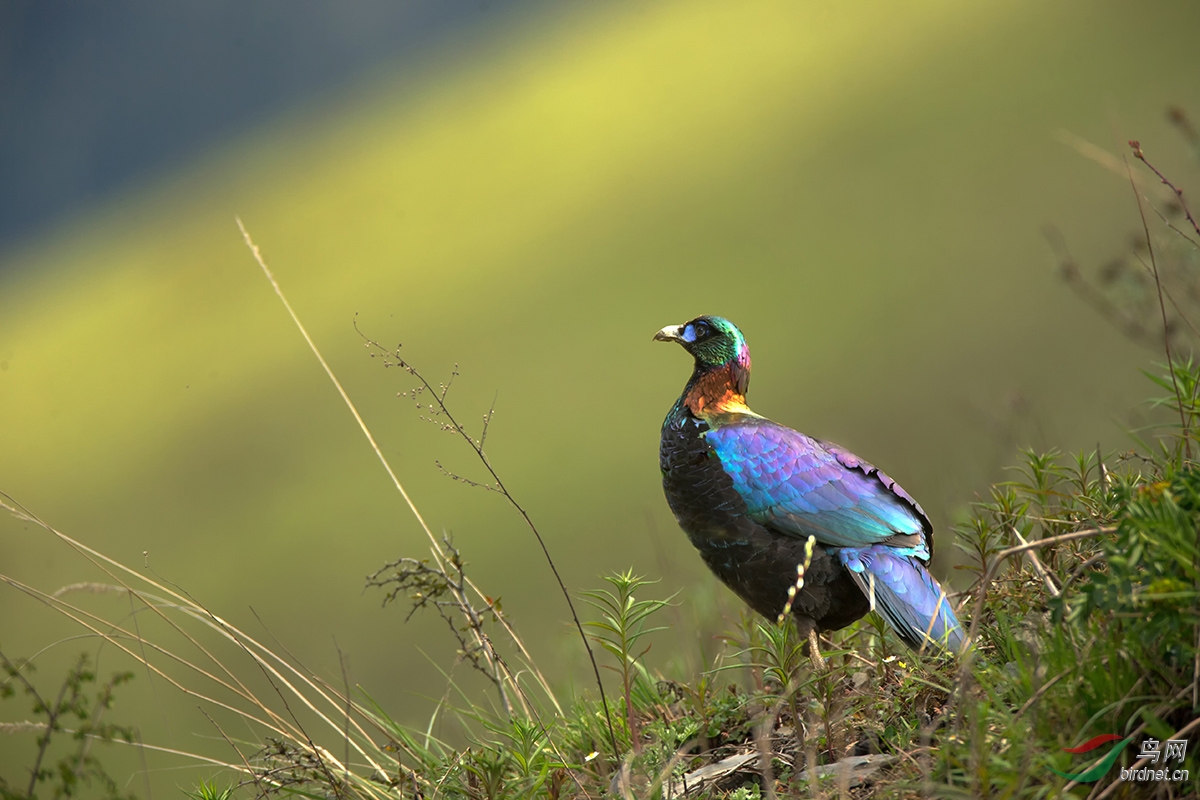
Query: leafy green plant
{"points": [[210, 791], [75, 715], [622, 625]]}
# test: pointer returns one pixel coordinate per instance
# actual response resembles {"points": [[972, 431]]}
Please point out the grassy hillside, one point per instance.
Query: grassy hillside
{"points": [[860, 189]]}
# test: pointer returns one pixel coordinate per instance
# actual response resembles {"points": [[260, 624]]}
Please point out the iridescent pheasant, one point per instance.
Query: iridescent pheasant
{"points": [[786, 521]]}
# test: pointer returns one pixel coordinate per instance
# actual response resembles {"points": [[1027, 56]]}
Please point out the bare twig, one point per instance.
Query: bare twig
{"points": [[426, 585], [1137, 151], [1037, 564], [1152, 272], [1167, 221], [497, 485], [349, 708], [1187, 212], [439, 554], [1177, 116], [251, 771], [1004, 555], [336, 383], [437, 551], [1131, 327]]}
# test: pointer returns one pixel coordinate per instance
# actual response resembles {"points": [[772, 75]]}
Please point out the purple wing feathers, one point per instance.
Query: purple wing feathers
{"points": [[800, 486]]}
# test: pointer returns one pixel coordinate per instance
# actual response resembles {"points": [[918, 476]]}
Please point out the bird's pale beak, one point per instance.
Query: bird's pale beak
{"points": [[671, 333]]}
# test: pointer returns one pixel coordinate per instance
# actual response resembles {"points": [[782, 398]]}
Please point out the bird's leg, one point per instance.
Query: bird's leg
{"points": [[807, 629]]}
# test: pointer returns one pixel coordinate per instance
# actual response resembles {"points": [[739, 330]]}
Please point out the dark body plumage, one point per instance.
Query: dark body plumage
{"points": [[750, 492], [756, 563]]}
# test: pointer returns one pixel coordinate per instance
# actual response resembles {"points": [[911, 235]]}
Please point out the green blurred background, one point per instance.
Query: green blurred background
{"points": [[860, 187]]}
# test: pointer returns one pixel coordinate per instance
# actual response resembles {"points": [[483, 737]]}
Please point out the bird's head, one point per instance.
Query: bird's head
{"points": [[715, 343]]}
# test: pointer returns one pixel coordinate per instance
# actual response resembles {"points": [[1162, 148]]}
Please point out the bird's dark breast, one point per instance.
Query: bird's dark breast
{"points": [[758, 564]]}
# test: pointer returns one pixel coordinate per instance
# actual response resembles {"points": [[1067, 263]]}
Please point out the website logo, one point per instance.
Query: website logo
{"points": [[1151, 751], [1097, 771]]}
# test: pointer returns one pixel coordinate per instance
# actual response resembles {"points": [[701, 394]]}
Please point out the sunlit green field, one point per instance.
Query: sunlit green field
{"points": [[861, 188]]}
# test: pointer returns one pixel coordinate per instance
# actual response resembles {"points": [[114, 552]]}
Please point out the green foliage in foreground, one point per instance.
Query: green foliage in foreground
{"points": [[1084, 618], [70, 713]]}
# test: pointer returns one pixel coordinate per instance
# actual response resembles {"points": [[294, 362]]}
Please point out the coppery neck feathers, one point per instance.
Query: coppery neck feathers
{"points": [[721, 390]]}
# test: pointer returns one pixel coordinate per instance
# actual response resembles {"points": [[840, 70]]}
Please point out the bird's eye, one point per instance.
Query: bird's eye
{"points": [[702, 330]]}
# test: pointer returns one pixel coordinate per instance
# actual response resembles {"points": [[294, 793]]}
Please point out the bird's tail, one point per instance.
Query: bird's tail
{"points": [[909, 598]]}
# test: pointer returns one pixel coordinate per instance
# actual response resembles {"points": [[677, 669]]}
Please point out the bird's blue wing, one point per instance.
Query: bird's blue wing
{"points": [[800, 486]]}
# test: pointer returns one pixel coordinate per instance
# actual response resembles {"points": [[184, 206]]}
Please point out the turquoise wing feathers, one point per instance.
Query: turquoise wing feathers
{"points": [[800, 486]]}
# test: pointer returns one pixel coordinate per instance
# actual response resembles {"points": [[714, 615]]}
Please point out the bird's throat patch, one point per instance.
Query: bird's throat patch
{"points": [[715, 394]]}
